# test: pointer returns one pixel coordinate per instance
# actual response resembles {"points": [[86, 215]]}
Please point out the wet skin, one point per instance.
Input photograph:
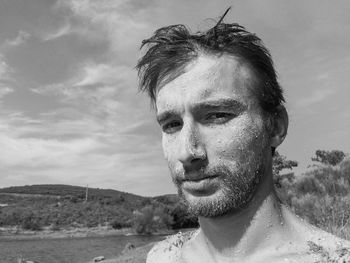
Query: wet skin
{"points": [[214, 133], [218, 147]]}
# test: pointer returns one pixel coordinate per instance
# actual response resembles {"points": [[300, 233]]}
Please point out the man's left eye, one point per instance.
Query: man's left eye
{"points": [[219, 117]]}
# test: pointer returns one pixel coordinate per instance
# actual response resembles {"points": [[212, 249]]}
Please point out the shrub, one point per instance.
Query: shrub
{"points": [[181, 217], [321, 196], [118, 224], [329, 157], [151, 219], [31, 223]]}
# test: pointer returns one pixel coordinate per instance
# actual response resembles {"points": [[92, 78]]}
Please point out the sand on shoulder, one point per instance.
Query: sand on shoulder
{"points": [[137, 255]]}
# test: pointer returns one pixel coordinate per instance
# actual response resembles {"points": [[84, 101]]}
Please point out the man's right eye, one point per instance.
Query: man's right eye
{"points": [[172, 127]]}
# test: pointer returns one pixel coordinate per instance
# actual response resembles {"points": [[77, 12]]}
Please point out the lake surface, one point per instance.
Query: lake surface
{"points": [[72, 250]]}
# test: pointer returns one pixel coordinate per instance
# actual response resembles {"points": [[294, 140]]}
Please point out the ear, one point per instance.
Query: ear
{"points": [[279, 127]]}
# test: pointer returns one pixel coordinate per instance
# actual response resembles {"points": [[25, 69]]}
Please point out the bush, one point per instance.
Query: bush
{"points": [[117, 224], [151, 219], [321, 196], [31, 223], [11, 218], [181, 217]]}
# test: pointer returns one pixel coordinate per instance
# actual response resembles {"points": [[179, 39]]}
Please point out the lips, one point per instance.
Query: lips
{"points": [[198, 178], [200, 186]]}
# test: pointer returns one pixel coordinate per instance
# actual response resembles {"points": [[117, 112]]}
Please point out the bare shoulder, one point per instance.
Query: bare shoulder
{"points": [[332, 251], [169, 250], [316, 245], [328, 247]]}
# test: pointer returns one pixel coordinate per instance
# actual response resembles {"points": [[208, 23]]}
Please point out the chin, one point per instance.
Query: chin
{"points": [[231, 190], [213, 205]]}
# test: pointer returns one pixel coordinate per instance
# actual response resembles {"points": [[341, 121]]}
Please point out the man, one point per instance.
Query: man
{"points": [[220, 108]]}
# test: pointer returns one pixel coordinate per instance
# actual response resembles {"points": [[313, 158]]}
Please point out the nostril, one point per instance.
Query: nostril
{"points": [[190, 148], [196, 160], [192, 157], [195, 164]]}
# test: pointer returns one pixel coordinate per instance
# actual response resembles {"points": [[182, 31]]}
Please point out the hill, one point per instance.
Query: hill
{"points": [[76, 193], [36, 206]]}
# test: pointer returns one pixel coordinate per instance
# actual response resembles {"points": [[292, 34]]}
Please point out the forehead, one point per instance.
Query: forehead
{"points": [[209, 77]]}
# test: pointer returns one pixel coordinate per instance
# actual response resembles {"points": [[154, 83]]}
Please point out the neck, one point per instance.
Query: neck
{"points": [[239, 234]]}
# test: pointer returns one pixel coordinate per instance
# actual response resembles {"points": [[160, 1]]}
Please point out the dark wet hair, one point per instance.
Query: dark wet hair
{"points": [[172, 47]]}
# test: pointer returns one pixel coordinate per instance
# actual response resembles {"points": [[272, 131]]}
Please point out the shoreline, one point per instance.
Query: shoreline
{"points": [[15, 233]]}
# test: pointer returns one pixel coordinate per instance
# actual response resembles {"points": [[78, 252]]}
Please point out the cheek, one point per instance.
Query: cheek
{"points": [[169, 156], [238, 142], [168, 148]]}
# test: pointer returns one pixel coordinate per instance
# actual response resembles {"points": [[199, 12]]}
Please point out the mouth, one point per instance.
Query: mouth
{"points": [[199, 178], [202, 185]]}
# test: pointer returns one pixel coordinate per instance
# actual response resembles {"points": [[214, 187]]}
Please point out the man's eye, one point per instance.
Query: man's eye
{"points": [[219, 117], [171, 127]]}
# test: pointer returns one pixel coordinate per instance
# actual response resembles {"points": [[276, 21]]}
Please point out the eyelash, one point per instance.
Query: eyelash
{"points": [[171, 127], [212, 118], [221, 119]]}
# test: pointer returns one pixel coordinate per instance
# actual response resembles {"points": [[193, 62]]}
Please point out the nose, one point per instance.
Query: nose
{"points": [[191, 150]]}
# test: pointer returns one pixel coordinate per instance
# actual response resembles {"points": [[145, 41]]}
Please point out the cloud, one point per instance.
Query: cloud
{"points": [[107, 89], [92, 74], [33, 150], [96, 133], [322, 86], [119, 21], [99, 132], [5, 91], [27, 142], [316, 96], [18, 40], [74, 26], [60, 32], [5, 70], [103, 91]]}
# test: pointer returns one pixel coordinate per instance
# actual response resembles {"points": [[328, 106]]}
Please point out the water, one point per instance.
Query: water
{"points": [[72, 250]]}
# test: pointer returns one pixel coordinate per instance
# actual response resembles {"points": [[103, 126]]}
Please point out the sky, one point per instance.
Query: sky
{"points": [[70, 110]]}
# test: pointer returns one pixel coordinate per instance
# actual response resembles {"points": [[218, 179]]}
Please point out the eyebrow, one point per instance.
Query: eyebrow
{"points": [[217, 104], [162, 117], [205, 105]]}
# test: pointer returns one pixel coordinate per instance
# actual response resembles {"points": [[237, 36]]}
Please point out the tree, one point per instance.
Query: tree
{"points": [[151, 219], [182, 218], [333, 157], [280, 162], [31, 222]]}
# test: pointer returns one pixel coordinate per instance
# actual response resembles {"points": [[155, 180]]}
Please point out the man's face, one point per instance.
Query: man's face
{"points": [[214, 134]]}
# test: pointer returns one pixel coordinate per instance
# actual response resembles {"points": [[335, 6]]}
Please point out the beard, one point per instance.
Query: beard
{"points": [[238, 182]]}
